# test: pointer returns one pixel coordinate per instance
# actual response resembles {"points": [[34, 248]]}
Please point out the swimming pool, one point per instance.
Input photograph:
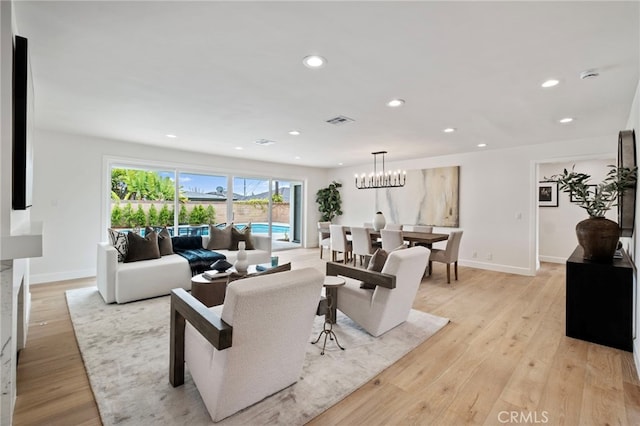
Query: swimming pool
{"points": [[256, 228], [263, 228]]}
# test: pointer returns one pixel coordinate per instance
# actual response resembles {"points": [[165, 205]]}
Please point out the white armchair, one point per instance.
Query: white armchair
{"points": [[250, 347], [388, 305]]}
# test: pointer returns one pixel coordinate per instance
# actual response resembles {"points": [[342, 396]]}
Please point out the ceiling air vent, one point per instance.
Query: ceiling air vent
{"points": [[340, 120], [265, 142]]}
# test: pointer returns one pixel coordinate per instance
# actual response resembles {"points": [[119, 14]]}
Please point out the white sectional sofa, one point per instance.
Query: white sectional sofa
{"points": [[125, 282]]}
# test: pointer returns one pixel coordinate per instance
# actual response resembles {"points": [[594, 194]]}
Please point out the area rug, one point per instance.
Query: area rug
{"points": [[125, 349]]}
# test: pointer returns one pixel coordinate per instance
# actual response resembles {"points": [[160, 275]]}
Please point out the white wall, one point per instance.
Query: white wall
{"points": [[556, 225], [634, 243], [69, 184], [498, 205]]}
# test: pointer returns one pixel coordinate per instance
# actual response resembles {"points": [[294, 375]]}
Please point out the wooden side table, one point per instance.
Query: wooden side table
{"points": [[331, 285], [209, 292]]}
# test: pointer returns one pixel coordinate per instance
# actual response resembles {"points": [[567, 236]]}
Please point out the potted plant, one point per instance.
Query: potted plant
{"points": [[329, 201], [597, 235]]}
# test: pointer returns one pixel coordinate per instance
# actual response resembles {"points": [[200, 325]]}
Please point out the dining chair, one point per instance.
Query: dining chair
{"points": [[324, 236], [361, 241], [422, 228], [393, 226], [449, 255], [339, 242], [391, 239]]}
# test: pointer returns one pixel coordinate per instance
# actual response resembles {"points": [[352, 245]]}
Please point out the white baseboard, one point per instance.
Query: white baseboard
{"points": [[636, 358], [497, 267], [552, 259], [61, 276]]}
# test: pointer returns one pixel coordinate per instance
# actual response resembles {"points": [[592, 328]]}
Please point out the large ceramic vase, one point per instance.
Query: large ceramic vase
{"points": [[242, 263], [598, 237], [379, 221]]}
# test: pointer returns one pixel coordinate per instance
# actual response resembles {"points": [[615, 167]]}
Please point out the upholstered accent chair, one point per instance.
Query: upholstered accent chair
{"points": [[449, 255], [361, 242], [324, 236], [250, 347], [340, 243], [388, 305], [391, 239]]}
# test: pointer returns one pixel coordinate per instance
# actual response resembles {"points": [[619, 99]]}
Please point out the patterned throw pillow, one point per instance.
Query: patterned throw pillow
{"points": [[244, 235], [219, 239], [120, 242]]}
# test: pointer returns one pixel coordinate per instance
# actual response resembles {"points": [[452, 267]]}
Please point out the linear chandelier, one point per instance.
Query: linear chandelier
{"points": [[381, 179]]}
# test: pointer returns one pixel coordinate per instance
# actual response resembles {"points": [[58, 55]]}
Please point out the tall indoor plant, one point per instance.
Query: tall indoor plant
{"points": [[329, 201], [597, 235]]}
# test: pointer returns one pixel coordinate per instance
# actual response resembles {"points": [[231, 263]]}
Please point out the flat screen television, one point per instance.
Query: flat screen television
{"points": [[22, 178]]}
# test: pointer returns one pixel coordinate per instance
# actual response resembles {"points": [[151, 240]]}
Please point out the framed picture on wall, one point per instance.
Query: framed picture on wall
{"points": [[591, 189], [547, 194]]}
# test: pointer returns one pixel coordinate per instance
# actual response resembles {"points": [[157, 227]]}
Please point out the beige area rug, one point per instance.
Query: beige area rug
{"points": [[125, 349]]}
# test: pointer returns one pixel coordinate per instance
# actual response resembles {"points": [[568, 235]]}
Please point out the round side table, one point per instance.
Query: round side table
{"points": [[331, 285]]}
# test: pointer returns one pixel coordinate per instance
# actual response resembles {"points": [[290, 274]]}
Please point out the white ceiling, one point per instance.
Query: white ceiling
{"points": [[222, 75]]}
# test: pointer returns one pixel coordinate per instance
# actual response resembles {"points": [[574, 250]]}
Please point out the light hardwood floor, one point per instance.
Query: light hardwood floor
{"points": [[503, 359]]}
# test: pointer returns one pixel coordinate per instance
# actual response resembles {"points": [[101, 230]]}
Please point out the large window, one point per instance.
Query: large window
{"points": [[188, 202]]}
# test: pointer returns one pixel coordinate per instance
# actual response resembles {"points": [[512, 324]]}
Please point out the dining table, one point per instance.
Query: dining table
{"points": [[413, 237]]}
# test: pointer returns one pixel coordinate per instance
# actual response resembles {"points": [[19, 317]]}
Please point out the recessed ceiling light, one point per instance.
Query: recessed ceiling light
{"points": [[314, 61], [297, 157], [550, 83], [340, 164], [171, 136], [294, 133], [239, 148], [394, 103], [482, 145], [449, 130], [565, 120]]}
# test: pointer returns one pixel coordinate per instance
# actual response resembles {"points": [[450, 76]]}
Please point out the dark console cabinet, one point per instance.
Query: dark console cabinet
{"points": [[600, 301]]}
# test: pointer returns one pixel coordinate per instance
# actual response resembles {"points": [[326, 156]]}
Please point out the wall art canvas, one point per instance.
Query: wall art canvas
{"points": [[430, 197]]}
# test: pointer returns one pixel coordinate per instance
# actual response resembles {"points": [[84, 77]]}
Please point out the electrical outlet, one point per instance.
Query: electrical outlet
{"points": [[490, 256], [475, 254]]}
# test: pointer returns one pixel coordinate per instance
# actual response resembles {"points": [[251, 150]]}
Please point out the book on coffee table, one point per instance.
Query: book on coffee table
{"points": [[214, 275]]}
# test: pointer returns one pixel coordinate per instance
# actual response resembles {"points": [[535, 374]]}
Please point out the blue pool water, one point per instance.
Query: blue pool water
{"points": [[263, 228], [256, 228]]}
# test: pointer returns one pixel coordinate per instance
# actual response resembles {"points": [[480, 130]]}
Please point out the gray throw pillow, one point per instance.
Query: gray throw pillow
{"points": [[142, 248], [376, 263], [120, 242], [219, 239], [164, 240]]}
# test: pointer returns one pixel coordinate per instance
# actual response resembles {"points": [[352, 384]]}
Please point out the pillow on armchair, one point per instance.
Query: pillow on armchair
{"points": [[376, 263]]}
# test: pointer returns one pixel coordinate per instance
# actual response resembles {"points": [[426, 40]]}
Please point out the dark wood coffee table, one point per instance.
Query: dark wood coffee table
{"points": [[209, 292]]}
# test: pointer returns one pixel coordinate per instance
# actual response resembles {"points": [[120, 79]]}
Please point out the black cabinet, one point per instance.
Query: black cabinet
{"points": [[600, 301]]}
